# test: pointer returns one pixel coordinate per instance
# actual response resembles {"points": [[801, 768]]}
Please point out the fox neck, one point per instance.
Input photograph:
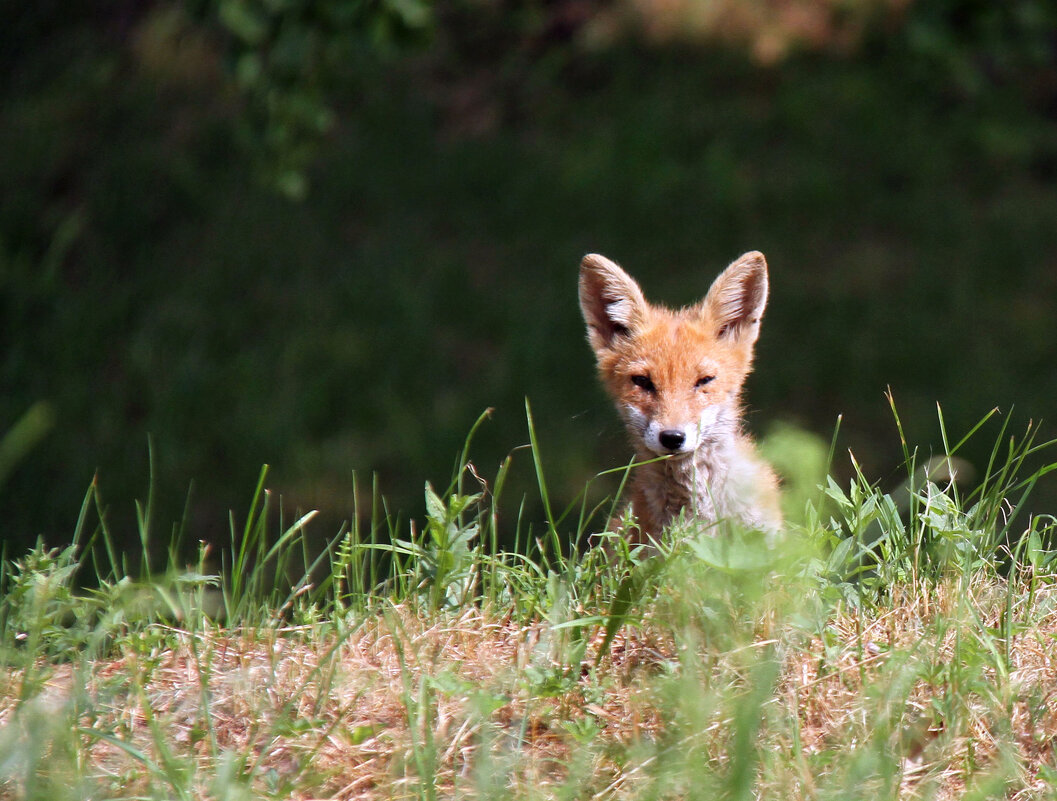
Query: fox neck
{"points": [[697, 483]]}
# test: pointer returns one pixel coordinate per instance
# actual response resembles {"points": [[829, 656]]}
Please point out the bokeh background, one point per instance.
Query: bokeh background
{"points": [[327, 234]]}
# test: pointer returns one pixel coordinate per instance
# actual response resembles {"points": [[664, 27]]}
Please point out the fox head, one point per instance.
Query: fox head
{"points": [[676, 376]]}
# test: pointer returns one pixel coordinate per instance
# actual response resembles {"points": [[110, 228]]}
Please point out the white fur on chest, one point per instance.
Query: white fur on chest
{"points": [[718, 482]]}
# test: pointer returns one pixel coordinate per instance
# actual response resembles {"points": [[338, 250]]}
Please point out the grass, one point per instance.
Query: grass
{"points": [[888, 645]]}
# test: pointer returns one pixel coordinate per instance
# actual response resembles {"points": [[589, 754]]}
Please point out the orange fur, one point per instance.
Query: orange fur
{"points": [[676, 378]]}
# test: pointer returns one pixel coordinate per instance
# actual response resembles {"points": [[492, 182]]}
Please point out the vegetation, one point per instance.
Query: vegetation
{"points": [[885, 646], [324, 234]]}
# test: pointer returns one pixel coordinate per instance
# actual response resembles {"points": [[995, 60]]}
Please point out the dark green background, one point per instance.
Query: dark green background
{"points": [[905, 194]]}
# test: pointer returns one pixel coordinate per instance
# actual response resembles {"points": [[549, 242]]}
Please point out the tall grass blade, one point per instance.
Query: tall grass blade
{"points": [[537, 462]]}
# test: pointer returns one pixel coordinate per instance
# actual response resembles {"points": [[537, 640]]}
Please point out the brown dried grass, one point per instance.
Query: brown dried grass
{"points": [[404, 698]]}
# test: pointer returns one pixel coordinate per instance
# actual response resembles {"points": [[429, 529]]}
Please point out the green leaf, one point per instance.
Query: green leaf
{"points": [[247, 23], [435, 508]]}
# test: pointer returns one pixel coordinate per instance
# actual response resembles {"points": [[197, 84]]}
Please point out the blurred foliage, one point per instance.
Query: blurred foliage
{"points": [[15, 444], [972, 42], [978, 44], [284, 56], [902, 187], [769, 30]]}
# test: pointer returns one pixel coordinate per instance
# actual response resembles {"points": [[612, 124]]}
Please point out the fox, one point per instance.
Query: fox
{"points": [[676, 377]]}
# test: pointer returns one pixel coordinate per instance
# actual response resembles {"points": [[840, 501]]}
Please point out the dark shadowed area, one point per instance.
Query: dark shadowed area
{"points": [[326, 236]]}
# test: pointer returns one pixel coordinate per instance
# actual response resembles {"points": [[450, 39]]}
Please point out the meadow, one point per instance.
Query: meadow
{"points": [[890, 645], [360, 628]]}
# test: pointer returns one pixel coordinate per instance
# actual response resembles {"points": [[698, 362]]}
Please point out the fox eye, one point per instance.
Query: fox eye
{"points": [[707, 379], [643, 382]]}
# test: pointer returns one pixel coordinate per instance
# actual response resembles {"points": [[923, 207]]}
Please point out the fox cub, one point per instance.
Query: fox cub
{"points": [[676, 378]]}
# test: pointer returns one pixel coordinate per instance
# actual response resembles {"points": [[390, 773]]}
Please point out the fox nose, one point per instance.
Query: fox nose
{"points": [[672, 439]]}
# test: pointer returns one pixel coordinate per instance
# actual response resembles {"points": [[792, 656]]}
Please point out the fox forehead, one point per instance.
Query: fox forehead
{"points": [[672, 347]]}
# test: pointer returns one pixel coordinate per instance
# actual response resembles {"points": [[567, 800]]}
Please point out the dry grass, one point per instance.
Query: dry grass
{"points": [[931, 675], [407, 705]]}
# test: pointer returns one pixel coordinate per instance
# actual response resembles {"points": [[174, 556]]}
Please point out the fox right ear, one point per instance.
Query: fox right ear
{"points": [[737, 298], [611, 301]]}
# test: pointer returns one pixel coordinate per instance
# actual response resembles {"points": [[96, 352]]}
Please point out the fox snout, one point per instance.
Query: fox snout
{"points": [[663, 439], [672, 439], [667, 436]]}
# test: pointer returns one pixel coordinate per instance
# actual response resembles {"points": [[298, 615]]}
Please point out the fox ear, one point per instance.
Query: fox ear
{"points": [[611, 301], [737, 298]]}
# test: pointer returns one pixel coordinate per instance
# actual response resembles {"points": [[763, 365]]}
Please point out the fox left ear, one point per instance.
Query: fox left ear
{"points": [[611, 301], [737, 298]]}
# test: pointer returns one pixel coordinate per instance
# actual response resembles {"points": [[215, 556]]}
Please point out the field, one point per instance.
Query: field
{"points": [[323, 235], [885, 646]]}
